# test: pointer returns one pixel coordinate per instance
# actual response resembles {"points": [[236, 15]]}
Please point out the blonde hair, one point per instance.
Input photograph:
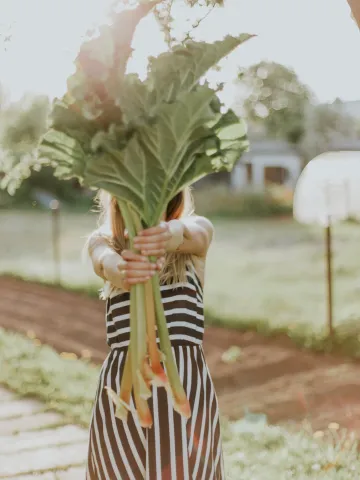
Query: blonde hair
{"points": [[112, 227]]}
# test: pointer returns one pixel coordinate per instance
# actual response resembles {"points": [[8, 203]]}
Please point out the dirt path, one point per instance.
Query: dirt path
{"points": [[271, 376]]}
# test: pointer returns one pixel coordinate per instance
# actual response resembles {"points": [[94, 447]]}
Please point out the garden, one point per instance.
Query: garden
{"points": [[288, 396]]}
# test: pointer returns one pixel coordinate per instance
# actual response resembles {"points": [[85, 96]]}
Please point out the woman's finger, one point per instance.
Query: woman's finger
{"points": [[160, 229], [159, 238], [134, 274], [156, 252], [129, 255], [140, 266], [152, 246]]}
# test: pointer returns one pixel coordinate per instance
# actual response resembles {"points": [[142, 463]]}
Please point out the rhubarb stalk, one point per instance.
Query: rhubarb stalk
{"points": [[180, 401], [137, 333], [156, 373], [159, 376]]}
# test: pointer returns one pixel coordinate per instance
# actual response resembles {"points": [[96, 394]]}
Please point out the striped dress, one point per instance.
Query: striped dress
{"points": [[174, 448]]}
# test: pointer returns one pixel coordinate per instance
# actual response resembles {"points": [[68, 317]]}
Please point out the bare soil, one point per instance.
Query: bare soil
{"points": [[271, 375]]}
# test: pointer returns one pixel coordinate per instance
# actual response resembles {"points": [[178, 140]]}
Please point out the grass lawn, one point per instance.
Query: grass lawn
{"points": [[253, 450], [259, 272]]}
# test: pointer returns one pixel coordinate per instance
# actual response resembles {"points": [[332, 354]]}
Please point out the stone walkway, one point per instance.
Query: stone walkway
{"points": [[37, 444]]}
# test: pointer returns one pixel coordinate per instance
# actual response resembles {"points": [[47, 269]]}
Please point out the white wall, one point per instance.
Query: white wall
{"points": [[238, 177], [290, 162]]}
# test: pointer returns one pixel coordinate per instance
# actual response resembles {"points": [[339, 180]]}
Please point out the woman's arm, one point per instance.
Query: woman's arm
{"points": [[123, 270], [192, 235], [107, 264]]}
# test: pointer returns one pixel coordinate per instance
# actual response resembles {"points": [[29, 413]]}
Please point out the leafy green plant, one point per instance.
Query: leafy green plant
{"points": [[226, 203], [143, 142]]}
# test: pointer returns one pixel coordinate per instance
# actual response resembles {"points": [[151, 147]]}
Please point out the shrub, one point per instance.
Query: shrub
{"points": [[220, 201]]}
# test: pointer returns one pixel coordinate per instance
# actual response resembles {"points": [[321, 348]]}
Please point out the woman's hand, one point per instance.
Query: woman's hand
{"points": [[138, 268], [153, 241], [128, 269]]}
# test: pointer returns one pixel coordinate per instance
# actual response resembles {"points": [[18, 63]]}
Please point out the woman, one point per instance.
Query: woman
{"points": [[174, 448]]}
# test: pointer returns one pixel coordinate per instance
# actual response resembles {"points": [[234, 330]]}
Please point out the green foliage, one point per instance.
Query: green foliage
{"points": [[325, 125], [143, 141], [226, 203], [276, 99], [22, 125], [64, 384], [264, 452]]}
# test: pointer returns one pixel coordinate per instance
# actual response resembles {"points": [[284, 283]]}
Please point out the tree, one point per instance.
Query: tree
{"points": [[325, 125], [275, 99], [164, 15], [21, 126]]}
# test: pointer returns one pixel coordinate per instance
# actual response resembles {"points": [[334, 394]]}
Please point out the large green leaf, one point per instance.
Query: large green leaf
{"points": [[225, 142], [65, 153], [170, 133], [183, 143], [181, 68], [145, 171], [171, 74], [121, 173], [135, 100]]}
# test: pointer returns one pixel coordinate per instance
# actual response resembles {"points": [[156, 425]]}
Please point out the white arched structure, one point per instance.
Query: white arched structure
{"points": [[328, 189], [327, 192]]}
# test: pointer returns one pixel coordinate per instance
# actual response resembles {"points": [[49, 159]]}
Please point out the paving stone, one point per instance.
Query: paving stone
{"points": [[19, 407], [40, 476], [23, 424], [72, 474], [44, 438], [6, 396], [42, 460]]}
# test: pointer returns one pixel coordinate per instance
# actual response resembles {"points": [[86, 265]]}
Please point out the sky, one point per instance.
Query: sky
{"points": [[317, 38]]}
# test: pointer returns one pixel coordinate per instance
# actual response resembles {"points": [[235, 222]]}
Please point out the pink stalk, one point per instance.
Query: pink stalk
{"points": [[126, 381], [121, 410]]}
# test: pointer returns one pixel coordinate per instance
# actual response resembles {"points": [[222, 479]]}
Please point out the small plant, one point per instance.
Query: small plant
{"points": [[227, 203]]}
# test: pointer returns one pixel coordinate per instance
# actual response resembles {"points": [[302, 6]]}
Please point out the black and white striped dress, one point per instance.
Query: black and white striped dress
{"points": [[174, 448]]}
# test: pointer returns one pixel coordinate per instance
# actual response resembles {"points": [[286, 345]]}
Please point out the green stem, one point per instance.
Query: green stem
{"points": [[133, 296], [158, 373], [181, 403], [137, 329], [145, 391]]}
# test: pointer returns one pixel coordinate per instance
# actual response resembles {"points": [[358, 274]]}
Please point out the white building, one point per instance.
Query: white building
{"points": [[267, 162]]}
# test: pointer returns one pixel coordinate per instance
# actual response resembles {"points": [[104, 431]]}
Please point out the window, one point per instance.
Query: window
{"points": [[277, 175]]}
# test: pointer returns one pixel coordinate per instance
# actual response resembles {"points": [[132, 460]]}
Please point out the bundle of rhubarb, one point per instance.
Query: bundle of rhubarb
{"points": [[143, 142]]}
